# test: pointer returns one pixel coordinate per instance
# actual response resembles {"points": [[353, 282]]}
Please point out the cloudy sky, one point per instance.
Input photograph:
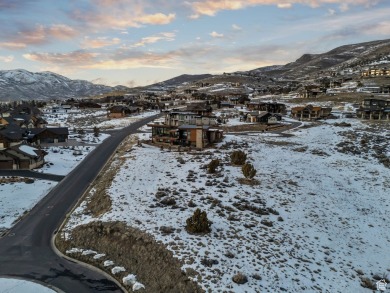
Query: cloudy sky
{"points": [[139, 42]]}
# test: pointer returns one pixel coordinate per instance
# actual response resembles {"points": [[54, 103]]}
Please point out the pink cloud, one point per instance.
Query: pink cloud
{"points": [[121, 14], [99, 42], [157, 18], [167, 36], [7, 59], [212, 7], [39, 35], [75, 58]]}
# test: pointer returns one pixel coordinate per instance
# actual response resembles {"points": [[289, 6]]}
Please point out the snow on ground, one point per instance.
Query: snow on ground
{"points": [[19, 197], [15, 199], [22, 286], [130, 279], [88, 118], [117, 123], [61, 160], [325, 210]]}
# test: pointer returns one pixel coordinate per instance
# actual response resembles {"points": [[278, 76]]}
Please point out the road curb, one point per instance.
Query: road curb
{"points": [[78, 202]]}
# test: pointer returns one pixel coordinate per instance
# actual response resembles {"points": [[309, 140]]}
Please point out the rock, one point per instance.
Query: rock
{"points": [[168, 201], [209, 262], [166, 230]]}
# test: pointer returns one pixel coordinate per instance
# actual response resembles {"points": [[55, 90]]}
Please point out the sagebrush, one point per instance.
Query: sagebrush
{"points": [[198, 222]]}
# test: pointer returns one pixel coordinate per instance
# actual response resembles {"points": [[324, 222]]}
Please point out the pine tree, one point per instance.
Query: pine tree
{"points": [[248, 170]]}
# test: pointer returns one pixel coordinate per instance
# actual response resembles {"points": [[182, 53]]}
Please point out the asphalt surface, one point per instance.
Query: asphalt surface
{"points": [[26, 251]]}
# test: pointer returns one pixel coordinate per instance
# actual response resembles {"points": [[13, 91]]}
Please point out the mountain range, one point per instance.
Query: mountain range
{"points": [[21, 84], [24, 85]]}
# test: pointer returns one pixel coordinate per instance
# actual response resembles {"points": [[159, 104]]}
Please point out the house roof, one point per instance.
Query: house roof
{"points": [[58, 130], [118, 109], [55, 130], [26, 150], [12, 132]]}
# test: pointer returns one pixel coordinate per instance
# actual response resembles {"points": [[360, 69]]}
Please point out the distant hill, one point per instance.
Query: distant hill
{"points": [[178, 80], [344, 57], [305, 69], [21, 84]]}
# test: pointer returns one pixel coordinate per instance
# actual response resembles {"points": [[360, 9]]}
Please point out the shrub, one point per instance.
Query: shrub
{"points": [[96, 131], [240, 278], [238, 157], [248, 171], [198, 223], [212, 166]]}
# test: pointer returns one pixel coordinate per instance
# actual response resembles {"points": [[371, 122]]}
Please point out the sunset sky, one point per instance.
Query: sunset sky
{"points": [[142, 41]]}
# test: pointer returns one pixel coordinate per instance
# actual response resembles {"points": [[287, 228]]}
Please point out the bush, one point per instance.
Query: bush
{"points": [[238, 158], [248, 170], [240, 278], [212, 166], [96, 131], [198, 223]]}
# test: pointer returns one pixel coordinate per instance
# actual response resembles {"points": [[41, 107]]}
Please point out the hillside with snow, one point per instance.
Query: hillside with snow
{"points": [[21, 84], [347, 57], [315, 222]]}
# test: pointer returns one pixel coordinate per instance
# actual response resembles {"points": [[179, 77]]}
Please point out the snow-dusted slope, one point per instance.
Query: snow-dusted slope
{"points": [[344, 57], [22, 84]]}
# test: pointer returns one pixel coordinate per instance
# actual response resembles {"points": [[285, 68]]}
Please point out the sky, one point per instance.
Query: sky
{"points": [[140, 42]]}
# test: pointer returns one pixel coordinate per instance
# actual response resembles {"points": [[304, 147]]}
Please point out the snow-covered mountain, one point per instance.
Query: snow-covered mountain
{"points": [[348, 57], [21, 84]]}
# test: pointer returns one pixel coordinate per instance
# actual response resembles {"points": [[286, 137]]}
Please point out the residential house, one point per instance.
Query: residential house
{"points": [[272, 107], [310, 93], [376, 71], [121, 111], [3, 122], [200, 108], [39, 122], [310, 112], [11, 135], [374, 109], [262, 117], [38, 136], [176, 118], [25, 109], [186, 129], [197, 136], [21, 156]]}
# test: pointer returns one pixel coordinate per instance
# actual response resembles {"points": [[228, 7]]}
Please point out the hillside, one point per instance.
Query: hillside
{"points": [[308, 69], [25, 85], [21, 84], [184, 78], [351, 57]]}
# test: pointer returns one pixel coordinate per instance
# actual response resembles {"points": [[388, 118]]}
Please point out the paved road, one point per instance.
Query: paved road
{"points": [[26, 251], [280, 131]]}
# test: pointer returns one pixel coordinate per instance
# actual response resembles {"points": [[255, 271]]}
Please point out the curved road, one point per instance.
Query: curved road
{"points": [[26, 251]]}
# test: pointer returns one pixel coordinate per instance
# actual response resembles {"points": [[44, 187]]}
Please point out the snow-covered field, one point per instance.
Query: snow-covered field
{"points": [[87, 119], [18, 197], [317, 221]]}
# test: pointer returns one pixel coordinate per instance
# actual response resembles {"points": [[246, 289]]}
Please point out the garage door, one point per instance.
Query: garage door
{"points": [[5, 164]]}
